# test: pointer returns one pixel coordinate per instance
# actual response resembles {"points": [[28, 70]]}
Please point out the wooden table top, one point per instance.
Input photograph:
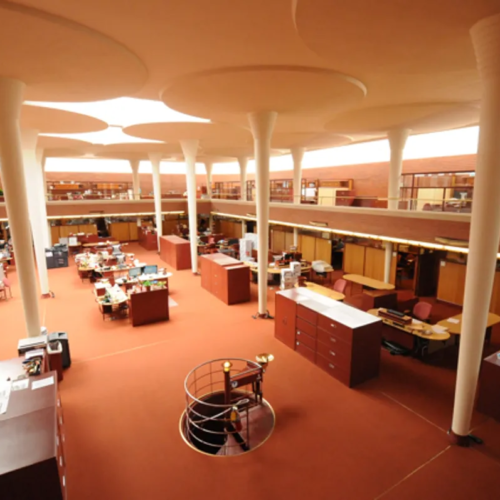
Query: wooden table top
{"points": [[323, 290], [274, 270], [368, 282], [101, 244], [456, 328], [408, 329]]}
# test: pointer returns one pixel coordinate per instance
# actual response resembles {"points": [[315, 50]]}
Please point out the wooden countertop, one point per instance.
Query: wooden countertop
{"points": [[408, 329], [101, 244], [368, 282], [323, 290], [456, 328]]}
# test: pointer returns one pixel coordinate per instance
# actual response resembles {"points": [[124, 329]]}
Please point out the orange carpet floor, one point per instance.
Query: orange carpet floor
{"points": [[123, 398]]}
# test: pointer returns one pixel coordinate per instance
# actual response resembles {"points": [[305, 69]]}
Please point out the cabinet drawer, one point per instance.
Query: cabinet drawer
{"points": [[305, 339], [334, 369], [332, 326], [307, 314], [306, 327], [305, 351], [332, 339], [338, 353]]}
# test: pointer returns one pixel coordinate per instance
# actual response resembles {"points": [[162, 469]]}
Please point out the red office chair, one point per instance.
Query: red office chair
{"points": [[422, 311], [340, 285], [6, 284]]}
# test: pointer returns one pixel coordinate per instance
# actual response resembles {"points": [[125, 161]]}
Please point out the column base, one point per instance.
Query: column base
{"points": [[47, 295], [196, 273], [463, 441], [265, 315]]}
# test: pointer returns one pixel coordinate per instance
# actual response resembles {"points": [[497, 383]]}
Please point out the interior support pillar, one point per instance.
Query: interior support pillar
{"points": [[36, 205], [484, 228], [208, 170], [13, 179], [388, 261], [243, 162], [262, 126], [190, 149], [297, 156], [397, 140], [155, 159], [42, 187], [136, 182]]}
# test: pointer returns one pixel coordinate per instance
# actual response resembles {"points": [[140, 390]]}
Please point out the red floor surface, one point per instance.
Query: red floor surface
{"points": [[123, 398]]}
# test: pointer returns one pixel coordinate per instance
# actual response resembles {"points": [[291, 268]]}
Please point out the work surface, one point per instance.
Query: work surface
{"points": [[368, 282], [455, 327], [123, 397], [322, 290]]}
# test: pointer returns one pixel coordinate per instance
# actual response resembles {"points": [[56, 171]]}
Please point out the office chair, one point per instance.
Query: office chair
{"points": [[6, 284], [340, 285], [422, 311]]}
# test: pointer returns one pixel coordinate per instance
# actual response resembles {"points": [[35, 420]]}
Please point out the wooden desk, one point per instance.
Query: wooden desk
{"points": [[149, 307], [373, 299], [323, 290], [176, 252], [32, 458], [368, 282], [74, 248], [100, 244], [148, 240], [456, 328]]}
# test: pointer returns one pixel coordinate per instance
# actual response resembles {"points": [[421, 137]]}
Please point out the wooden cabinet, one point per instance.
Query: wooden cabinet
{"points": [[123, 231], [226, 278], [176, 252], [147, 239], [488, 401], [32, 457], [285, 320], [149, 307], [341, 340], [354, 259]]}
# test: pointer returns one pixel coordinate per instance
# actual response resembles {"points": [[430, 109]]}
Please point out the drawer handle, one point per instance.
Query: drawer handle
{"points": [[331, 366], [332, 325], [298, 343], [298, 333], [333, 340], [332, 353]]}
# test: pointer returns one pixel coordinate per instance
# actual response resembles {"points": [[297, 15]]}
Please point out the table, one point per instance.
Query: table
{"points": [[32, 458], [456, 328], [368, 282], [414, 340], [100, 244], [114, 309], [276, 271], [323, 290], [75, 247]]}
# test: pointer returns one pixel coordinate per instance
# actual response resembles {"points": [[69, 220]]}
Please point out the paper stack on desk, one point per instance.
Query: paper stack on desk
{"points": [[453, 320], [440, 330]]}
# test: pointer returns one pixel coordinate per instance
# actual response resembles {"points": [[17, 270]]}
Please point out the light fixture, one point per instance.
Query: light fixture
{"points": [[227, 366], [318, 224]]}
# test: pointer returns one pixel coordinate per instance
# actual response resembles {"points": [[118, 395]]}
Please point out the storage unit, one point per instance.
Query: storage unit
{"points": [[32, 458], [57, 256], [226, 278], [123, 231], [149, 307], [340, 339], [147, 239], [488, 401], [176, 252]]}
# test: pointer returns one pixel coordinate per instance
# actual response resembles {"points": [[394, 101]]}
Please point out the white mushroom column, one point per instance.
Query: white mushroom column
{"points": [[36, 205], [208, 170], [136, 183], [13, 179], [484, 229], [243, 162], [190, 148], [297, 156], [262, 126], [42, 186], [397, 140], [155, 159]]}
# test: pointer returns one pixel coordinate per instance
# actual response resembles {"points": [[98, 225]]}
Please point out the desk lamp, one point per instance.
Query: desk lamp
{"points": [[264, 359]]}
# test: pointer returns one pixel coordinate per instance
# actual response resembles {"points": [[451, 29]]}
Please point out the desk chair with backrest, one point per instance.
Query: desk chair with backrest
{"points": [[422, 311], [340, 285]]}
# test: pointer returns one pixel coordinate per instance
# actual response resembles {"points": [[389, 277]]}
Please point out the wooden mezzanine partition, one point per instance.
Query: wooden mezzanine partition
{"points": [[64, 231], [367, 261], [451, 285]]}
